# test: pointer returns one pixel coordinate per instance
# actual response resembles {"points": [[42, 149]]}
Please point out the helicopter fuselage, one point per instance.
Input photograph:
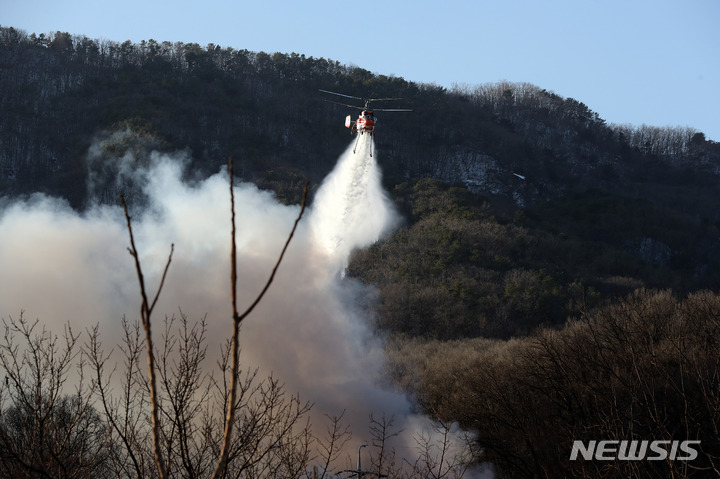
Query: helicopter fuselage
{"points": [[365, 122]]}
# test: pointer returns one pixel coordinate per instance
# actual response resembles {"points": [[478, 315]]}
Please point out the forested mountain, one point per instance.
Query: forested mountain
{"points": [[60, 91], [521, 209]]}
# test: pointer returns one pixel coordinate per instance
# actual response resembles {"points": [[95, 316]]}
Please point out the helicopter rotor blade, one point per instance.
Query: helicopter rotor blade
{"points": [[341, 94], [344, 104], [365, 100]]}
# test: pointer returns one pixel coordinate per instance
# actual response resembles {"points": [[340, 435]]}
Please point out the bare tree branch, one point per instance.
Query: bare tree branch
{"points": [[238, 318], [145, 314]]}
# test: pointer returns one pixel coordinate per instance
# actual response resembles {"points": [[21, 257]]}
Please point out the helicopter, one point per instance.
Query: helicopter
{"points": [[365, 122]]}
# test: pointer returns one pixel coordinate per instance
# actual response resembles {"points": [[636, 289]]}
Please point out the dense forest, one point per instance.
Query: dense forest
{"points": [[552, 277]]}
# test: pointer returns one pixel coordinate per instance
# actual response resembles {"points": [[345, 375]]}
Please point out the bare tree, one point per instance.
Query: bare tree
{"points": [[146, 309], [442, 453], [382, 432], [186, 389], [124, 413], [238, 318], [45, 432], [334, 442]]}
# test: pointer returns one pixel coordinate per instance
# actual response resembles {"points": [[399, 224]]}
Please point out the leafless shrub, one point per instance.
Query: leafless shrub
{"points": [[644, 368], [44, 431]]}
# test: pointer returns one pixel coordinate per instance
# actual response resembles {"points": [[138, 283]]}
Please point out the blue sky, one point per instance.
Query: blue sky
{"points": [[654, 62]]}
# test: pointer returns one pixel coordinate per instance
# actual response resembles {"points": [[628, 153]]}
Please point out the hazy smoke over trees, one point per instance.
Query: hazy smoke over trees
{"points": [[311, 330]]}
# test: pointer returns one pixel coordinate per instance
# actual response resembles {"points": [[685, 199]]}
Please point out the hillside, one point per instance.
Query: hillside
{"points": [[460, 269], [533, 234], [265, 110], [515, 146]]}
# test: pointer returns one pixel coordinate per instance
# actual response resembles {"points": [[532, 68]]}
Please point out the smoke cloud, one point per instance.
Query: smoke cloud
{"points": [[310, 331]]}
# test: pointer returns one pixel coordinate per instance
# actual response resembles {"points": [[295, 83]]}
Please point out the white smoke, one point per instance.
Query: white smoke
{"points": [[310, 331]]}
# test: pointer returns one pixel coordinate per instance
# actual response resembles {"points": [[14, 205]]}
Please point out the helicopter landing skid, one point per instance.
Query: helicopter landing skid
{"points": [[358, 141]]}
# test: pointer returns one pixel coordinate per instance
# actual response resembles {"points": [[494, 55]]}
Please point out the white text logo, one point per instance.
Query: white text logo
{"points": [[634, 450]]}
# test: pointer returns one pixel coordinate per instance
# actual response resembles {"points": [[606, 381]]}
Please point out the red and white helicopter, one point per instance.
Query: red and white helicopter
{"points": [[366, 120]]}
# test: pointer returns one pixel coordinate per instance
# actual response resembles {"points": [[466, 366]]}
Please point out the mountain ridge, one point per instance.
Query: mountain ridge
{"points": [[265, 110]]}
